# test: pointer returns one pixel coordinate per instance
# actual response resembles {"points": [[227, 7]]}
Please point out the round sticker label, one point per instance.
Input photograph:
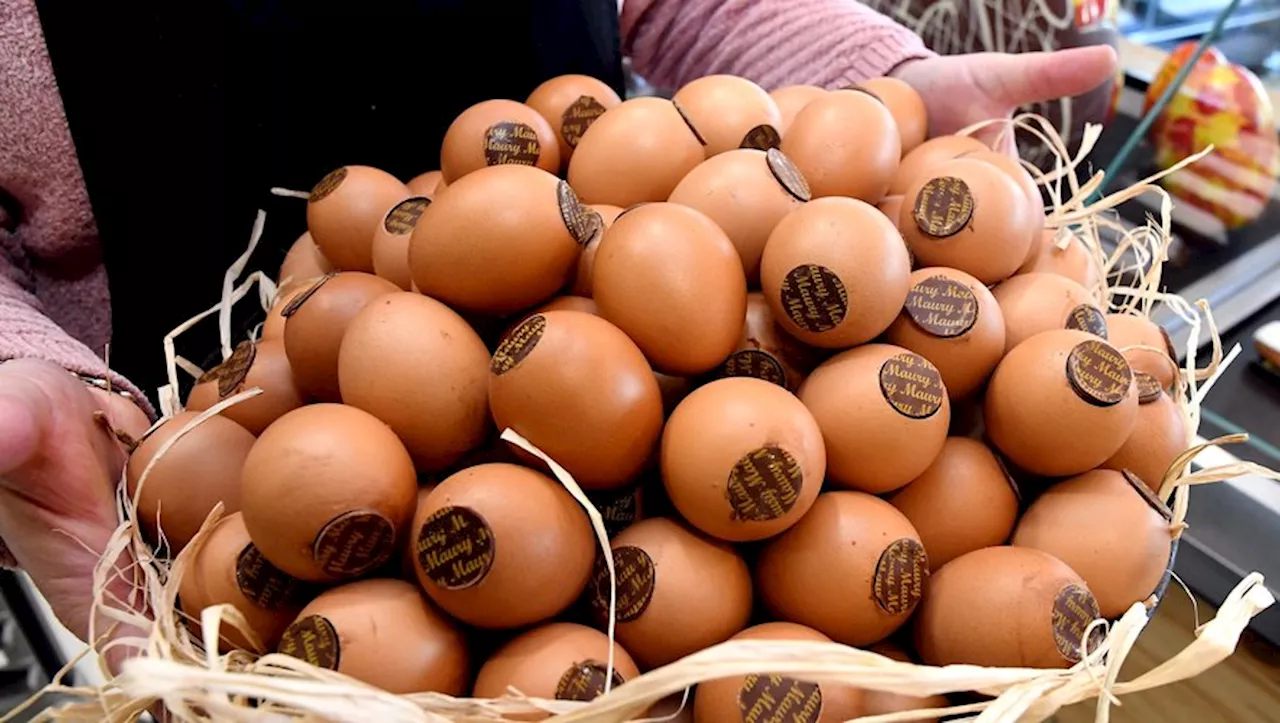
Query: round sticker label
{"points": [[900, 576], [1149, 389], [264, 584], [912, 385], [1074, 609], [455, 548], [944, 206], [327, 185], [582, 221], [585, 681], [688, 121], [636, 578], [517, 344], [754, 363], [230, 374], [314, 640], [1099, 373], [511, 142], [787, 174], [403, 217], [618, 508], [354, 543], [815, 298], [296, 302], [942, 307], [1149, 496], [778, 699], [578, 117], [762, 138], [1087, 318], [764, 485]]}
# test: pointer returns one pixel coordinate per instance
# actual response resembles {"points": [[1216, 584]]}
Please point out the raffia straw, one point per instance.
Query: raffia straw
{"points": [[290, 193]]}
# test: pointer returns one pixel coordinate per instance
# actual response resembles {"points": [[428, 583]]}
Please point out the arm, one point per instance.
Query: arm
{"points": [[830, 43]]}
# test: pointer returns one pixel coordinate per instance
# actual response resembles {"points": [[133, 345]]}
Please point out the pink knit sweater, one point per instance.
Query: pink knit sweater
{"points": [[53, 289]]}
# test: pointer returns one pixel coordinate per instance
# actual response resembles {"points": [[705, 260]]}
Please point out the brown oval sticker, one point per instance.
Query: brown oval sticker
{"points": [[578, 117], [788, 174], [455, 547], [636, 579], [900, 575], [688, 121], [296, 302], [618, 508], [1074, 609], [912, 385], [754, 363], [1149, 389], [584, 681], [942, 307], [815, 298], [1148, 495], [764, 485], [943, 207], [1087, 318], [779, 699], [762, 138], [511, 142], [314, 640], [327, 185], [403, 217], [1098, 373], [354, 543], [230, 374], [582, 221], [266, 585], [517, 344]]}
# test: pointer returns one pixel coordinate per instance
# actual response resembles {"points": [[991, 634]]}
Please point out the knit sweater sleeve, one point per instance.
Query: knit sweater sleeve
{"points": [[829, 43]]}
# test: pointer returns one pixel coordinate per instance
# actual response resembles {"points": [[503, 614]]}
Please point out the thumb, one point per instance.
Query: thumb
{"points": [[23, 406], [1024, 78]]}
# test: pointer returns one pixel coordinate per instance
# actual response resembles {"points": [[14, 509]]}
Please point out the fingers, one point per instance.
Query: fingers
{"points": [[20, 426], [1017, 80]]}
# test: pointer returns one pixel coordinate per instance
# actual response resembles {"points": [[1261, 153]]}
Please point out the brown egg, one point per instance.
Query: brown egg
{"points": [[636, 152], [766, 352], [1074, 262], [262, 364], [964, 501], [1158, 437], [906, 106], [556, 661], [929, 154], [1035, 302], [678, 592], [391, 241], [315, 322], [439, 410], [229, 570], [304, 261], [968, 215], [853, 568], [1109, 528], [571, 103], [875, 702], [729, 112], [883, 412], [1005, 607], [764, 697], [951, 319], [1128, 331], [577, 388], [570, 303], [580, 285], [1060, 403], [425, 184], [891, 207], [326, 493], [668, 276], [345, 209], [746, 192], [1030, 191], [791, 99], [273, 327], [504, 239], [497, 132], [501, 546], [383, 633], [742, 459], [835, 273], [201, 469], [837, 162]]}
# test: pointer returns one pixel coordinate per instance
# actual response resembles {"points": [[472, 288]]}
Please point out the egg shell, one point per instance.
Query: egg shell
{"points": [[968, 215], [1036, 302], [835, 273], [303, 261], [391, 241], [505, 238], [906, 106], [1030, 191], [229, 570], [262, 364], [1060, 403], [426, 184], [273, 326], [1005, 607], [767, 352], [327, 492], [497, 132], [1159, 435], [439, 410], [853, 568], [345, 208], [740, 190], [964, 501], [570, 303], [678, 591], [876, 702], [200, 469], [760, 697], [580, 284], [742, 459], [883, 412], [951, 319], [1110, 529], [729, 112], [571, 103], [502, 546], [839, 163], [1074, 262], [669, 277], [315, 322], [791, 99], [634, 153], [383, 633], [1126, 331], [929, 154], [556, 661], [891, 207], [577, 388]]}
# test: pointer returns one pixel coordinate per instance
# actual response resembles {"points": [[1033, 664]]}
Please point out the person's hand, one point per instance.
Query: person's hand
{"points": [[960, 90], [59, 467]]}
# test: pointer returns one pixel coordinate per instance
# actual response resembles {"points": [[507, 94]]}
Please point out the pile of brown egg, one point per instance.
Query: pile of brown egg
{"points": [[824, 378]]}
